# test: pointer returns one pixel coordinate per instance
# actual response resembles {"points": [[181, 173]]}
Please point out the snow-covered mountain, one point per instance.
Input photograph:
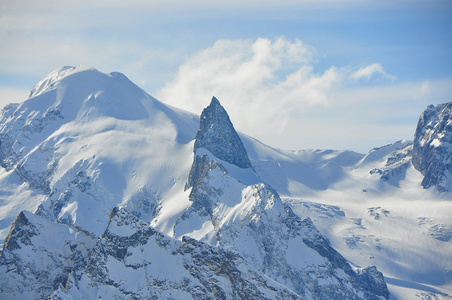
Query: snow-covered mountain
{"points": [[130, 260], [107, 192]]}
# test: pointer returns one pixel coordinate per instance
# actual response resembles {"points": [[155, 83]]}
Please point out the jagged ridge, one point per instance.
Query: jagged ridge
{"points": [[130, 260]]}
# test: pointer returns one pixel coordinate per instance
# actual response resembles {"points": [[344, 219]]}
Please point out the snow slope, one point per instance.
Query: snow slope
{"points": [[87, 142], [373, 212]]}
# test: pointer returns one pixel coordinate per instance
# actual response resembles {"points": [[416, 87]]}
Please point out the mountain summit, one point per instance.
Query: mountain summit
{"points": [[217, 135]]}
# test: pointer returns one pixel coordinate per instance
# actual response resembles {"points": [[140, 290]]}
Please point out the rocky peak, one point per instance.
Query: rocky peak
{"points": [[217, 135], [432, 149], [39, 256]]}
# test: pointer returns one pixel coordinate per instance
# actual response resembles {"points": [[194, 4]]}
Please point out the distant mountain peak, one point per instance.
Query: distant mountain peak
{"points": [[217, 135]]}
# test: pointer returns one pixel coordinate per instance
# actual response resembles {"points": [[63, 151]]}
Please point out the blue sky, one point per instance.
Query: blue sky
{"points": [[339, 74]]}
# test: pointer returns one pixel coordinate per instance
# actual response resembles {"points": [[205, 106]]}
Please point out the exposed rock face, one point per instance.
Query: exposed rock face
{"points": [[130, 261], [39, 256], [200, 169], [217, 134], [161, 267], [432, 149], [372, 279], [397, 162]]}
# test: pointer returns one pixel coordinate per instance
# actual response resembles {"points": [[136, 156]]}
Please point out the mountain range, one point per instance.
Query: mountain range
{"points": [[106, 192]]}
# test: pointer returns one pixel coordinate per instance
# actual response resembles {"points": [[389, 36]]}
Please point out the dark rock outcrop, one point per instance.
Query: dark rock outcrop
{"points": [[432, 149], [217, 135]]}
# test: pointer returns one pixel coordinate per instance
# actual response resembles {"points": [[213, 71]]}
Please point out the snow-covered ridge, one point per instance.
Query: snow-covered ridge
{"points": [[93, 141], [54, 78], [43, 259]]}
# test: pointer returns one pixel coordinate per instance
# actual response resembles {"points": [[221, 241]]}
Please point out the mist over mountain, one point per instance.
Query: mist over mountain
{"points": [[107, 192]]}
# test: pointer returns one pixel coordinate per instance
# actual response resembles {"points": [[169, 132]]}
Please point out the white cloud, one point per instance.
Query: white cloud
{"points": [[260, 82], [273, 93], [425, 88], [368, 71]]}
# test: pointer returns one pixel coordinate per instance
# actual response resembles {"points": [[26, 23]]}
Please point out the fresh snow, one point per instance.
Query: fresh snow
{"points": [[120, 138]]}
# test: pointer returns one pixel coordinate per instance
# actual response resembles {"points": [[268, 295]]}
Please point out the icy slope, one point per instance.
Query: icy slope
{"points": [[406, 234], [299, 172]]}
